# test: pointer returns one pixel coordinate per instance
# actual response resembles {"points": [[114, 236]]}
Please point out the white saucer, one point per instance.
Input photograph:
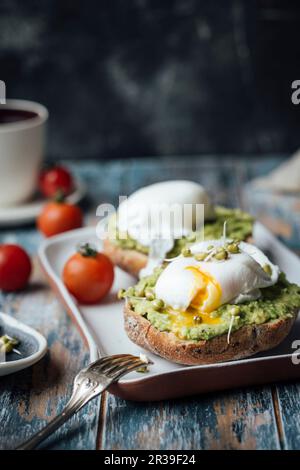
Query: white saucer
{"points": [[27, 212], [33, 345]]}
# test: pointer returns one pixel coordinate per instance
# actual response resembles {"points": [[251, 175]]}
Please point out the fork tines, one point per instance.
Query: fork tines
{"points": [[117, 365]]}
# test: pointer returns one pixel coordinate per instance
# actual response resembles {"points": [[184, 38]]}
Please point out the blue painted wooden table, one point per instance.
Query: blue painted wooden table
{"points": [[253, 418]]}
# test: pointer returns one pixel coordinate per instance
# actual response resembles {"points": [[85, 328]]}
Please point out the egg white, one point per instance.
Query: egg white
{"points": [[206, 285], [135, 212]]}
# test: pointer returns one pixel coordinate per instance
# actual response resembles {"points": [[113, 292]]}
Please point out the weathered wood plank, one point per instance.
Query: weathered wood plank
{"points": [[232, 420], [288, 398]]}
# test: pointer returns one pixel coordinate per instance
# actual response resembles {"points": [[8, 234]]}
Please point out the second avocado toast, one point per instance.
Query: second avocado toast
{"points": [[129, 249]]}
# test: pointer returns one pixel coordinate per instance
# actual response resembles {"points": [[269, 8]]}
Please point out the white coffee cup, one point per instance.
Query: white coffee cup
{"points": [[21, 151]]}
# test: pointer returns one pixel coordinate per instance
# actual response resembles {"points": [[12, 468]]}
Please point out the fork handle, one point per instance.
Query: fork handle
{"points": [[36, 439]]}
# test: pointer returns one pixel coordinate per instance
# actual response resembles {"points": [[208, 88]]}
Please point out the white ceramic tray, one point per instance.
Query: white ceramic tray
{"points": [[102, 328]]}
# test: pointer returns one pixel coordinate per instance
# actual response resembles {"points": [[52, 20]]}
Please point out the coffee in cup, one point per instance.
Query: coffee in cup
{"points": [[22, 141]]}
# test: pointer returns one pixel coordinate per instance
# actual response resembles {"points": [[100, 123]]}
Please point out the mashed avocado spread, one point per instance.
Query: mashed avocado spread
{"points": [[239, 226], [277, 301]]}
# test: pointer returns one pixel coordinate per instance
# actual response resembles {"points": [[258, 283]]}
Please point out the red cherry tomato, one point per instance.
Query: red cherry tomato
{"points": [[88, 275], [58, 217], [55, 179], [15, 268]]}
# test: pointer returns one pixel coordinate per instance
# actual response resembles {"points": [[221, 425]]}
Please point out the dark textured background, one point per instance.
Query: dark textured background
{"points": [[150, 77]]}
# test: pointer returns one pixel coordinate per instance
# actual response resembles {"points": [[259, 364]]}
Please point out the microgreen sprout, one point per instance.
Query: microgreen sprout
{"points": [[7, 344]]}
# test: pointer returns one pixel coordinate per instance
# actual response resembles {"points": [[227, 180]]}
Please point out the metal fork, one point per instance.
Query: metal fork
{"points": [[88, 383]]}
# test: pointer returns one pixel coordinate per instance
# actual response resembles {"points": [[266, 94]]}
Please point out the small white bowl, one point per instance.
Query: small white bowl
{"points": [[33, 345]]}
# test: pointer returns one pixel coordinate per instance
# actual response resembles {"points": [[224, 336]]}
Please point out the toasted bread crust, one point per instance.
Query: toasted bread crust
{"points": [[244, 342], [131, 261]]}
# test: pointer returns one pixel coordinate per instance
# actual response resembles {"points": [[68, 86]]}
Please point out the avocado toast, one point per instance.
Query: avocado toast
{"points": [[241, 308], [132, 256]]}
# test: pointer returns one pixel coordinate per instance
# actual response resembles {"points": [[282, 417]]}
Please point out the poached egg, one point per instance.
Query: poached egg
{"points": [[200, 287], [143, 214]]}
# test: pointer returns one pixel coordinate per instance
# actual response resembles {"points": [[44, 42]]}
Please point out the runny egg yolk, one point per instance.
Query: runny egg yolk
{"points": [[182, 319], [206, 294]]}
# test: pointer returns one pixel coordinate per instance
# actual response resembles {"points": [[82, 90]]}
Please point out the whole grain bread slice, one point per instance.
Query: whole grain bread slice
{"points": [[244, 342]]}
